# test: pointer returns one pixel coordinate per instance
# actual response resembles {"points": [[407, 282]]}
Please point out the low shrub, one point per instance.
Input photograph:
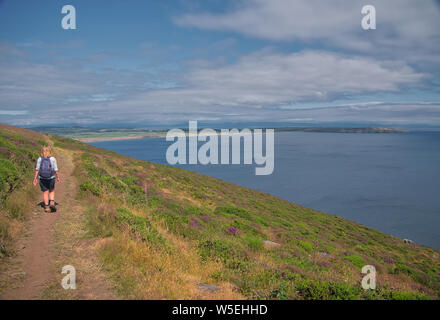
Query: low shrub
{"points": [[321, 290]]}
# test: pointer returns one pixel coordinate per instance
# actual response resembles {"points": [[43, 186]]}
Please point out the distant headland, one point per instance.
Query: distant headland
{"points": [[343, 129]]}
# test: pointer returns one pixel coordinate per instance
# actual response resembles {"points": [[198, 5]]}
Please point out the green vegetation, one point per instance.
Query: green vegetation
{"points": [[164, 230], [18, 153]]}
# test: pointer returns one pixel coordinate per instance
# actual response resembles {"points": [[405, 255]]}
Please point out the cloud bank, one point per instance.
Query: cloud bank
{"points": [[404, 24]]}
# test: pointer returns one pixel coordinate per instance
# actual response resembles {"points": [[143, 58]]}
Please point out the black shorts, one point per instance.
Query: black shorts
{"points": [[47, 184]]}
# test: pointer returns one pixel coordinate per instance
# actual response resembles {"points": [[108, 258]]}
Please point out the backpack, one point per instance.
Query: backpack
{"points": [[46, 171]]}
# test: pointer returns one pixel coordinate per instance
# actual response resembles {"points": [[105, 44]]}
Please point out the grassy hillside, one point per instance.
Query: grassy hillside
{"points": [[19, 150], [164, 231]]}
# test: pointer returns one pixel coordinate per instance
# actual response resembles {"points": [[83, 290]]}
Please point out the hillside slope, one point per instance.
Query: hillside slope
{"points": [[162, 232]]}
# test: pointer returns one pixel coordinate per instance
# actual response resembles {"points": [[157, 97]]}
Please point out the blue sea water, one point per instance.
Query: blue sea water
{"points": [[390, 182]]}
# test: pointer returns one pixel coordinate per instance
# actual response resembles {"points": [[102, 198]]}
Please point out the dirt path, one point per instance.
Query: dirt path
{"points": [[52, 241]]}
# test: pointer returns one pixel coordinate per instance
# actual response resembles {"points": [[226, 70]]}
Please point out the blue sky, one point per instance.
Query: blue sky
{"points": [[143, 63]]}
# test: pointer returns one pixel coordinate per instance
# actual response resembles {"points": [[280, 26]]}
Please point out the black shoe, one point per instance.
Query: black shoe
{"points": [[52, 206]]}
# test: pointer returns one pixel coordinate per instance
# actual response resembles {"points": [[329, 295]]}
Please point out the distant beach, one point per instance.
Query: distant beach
{"points": [[159, 135], [97, 139]]}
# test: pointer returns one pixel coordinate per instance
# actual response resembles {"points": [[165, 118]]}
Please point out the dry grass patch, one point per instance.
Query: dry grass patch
{"points": [[141, 271]]}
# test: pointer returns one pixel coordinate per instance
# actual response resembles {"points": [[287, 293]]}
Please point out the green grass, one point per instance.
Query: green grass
{"points": [[357, 261], [139, 225]]}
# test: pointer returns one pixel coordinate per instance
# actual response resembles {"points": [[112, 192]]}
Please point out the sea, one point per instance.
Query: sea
{"points": [[390, 182]]}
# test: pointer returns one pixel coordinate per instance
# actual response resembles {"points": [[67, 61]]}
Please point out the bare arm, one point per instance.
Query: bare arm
{"points": [[35, 178], [37, 169], [56, 170]]}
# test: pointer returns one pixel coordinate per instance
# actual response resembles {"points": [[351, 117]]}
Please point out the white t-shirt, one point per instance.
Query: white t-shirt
{"points": [[53, 162]]}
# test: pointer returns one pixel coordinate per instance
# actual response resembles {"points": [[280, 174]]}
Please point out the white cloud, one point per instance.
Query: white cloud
{"points": [[23, 84], [401, 24], [267, 79]]}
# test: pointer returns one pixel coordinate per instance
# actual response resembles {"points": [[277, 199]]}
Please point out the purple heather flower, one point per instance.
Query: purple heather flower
{"points": [[234, 230], [194, 223]]}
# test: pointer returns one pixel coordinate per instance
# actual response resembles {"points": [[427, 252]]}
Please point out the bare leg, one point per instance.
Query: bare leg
{"points": [[52, 201], [52, 195], [46, 198]]}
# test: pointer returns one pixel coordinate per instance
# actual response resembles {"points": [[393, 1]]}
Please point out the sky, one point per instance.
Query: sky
{"points": [[144, 63]]}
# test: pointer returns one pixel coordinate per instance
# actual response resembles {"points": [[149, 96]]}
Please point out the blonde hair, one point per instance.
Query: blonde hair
{"points": [[46, 152]]}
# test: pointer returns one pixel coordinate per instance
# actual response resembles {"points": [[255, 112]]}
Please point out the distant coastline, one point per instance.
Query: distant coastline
{"points": [[89, 135]]}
